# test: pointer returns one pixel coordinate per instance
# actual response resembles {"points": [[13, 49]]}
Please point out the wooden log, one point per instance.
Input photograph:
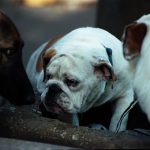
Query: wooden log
{"points": [[23, 123]]}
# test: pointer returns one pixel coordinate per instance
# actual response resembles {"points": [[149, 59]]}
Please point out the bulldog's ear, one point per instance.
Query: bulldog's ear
{"points": [[132, 39], [105, 71], [9, 35], [47, 55]]}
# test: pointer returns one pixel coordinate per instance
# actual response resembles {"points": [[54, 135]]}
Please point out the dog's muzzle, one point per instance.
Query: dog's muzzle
{"points": [[51, 97]]}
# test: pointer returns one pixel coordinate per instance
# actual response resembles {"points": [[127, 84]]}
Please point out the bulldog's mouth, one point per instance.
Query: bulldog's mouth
{"points": [[54, 108], [50, 98], [51, 111], [55, 112]]}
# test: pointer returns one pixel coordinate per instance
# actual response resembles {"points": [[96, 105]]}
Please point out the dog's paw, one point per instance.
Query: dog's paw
{"points": [[98, 127]]}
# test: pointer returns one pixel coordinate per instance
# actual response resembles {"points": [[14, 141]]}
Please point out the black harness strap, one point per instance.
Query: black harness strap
{"points": [[109, 53]]}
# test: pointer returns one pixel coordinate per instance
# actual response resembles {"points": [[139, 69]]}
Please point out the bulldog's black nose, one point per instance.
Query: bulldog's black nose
{"points": [[54, 88], [53, 91]]}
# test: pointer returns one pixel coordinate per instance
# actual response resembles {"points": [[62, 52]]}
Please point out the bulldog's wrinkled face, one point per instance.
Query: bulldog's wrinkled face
{"points": [[68, 84], [73, 84]]}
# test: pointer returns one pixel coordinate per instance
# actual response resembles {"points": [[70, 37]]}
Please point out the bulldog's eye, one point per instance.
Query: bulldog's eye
{"points": [[71, 82]]}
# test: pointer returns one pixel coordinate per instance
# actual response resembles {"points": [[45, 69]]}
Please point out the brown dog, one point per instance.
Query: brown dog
{"points": [[14, 83]]}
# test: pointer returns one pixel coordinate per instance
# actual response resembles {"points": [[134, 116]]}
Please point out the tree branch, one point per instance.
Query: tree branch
{"points": [[23, 123]]}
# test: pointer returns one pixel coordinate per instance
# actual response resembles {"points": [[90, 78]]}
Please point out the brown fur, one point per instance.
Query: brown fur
{"points": [[14, 83], [3, 59], [9, 36], [46, 54], [10, 40], [49, 54], [134, 35]]}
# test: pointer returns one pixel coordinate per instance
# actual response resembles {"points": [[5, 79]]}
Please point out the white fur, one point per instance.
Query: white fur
{"points": [[142, 70], [83, 47]]}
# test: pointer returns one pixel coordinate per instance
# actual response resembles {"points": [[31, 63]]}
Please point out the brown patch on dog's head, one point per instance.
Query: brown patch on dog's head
{"points": [[46, 59], [10, 40], [132, 39], [47, 55]]}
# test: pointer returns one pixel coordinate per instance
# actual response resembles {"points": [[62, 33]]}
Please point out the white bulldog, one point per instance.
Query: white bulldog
{"points": [[81, 70], [136, 47]]}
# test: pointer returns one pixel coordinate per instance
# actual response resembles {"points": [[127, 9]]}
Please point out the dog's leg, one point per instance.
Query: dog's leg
{"points": [[75, 120], [120, 106]]}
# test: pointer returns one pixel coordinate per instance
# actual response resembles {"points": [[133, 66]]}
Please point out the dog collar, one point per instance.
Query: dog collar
{"points": [[109, 53]]}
